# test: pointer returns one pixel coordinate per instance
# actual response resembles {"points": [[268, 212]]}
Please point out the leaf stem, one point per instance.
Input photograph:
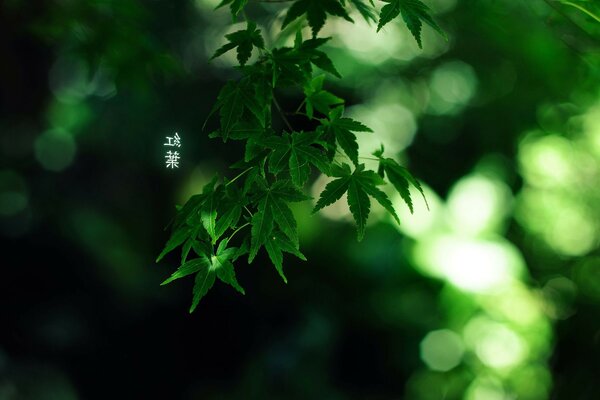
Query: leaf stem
{"points": [[237, 230], [239, 175], [300, 106], [282, 114], [552, 4], [362, 158], [583, 10]]}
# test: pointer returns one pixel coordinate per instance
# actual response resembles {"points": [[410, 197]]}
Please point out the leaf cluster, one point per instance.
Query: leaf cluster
{"points": [[238, 217]]}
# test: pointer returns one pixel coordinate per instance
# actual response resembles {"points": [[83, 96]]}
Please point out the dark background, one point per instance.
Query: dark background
{"points": [[90, 89]]}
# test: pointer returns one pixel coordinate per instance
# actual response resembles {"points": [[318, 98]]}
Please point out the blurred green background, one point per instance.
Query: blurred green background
{"points": [[492, 294]]}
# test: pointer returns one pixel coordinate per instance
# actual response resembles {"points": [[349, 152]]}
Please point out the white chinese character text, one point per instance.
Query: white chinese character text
{"points": [[173, 141], [172, 159]]}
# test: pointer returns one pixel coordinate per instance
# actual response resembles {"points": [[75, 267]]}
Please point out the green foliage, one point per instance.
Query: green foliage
{"points": [[358, 185], [316, 12], [244, 41], [337, 129], [400, 177], [234, 5], [318, 98], [366, 10], [414, 13], [253, 209], [273, 212], [293, 66], [297, 153], [239, 102]]}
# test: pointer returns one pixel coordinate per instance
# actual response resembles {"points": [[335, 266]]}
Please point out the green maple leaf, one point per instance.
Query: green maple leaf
{"points": [[319, 99], [222, 262], [235, 5], [295, 153], [231, 106], [207, 268], [178, 237], [359, 186], [366, 10], [229, 210], [309, 47], [208, 211], [244, 41], [276, 244], [205, 277], [316, 13], [414, 13], [272, 210], [341, 130], [291, 66], [400, 178], [221, 210], [236, 102], [188, 225]]}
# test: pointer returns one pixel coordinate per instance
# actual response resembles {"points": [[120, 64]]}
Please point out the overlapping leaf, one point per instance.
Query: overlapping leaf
{"points": [[235, 6], [292, 66], [366, 9], [273, 210], [187, 225], [255, 210], [400, 178], [244, 41], [238, 101], [318, 98], [359, 186], [414, 13], [340, 130], [316, 12], [295, 154], [207, 267], [276, 244]]}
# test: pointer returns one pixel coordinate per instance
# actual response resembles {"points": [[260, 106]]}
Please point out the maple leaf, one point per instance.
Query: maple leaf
{"points": [[256, 209], [400, 178], [276, 245], [237, 100], [222, 263], [359, 186], [244, 40], [221, 210], [341, 130], [187, 225], [292, 65], [207, 267], [366, 11], [319, 99], [294, 153], [235, 6], [414, 13], [208, 211], [272, 210], [316, 13]]}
